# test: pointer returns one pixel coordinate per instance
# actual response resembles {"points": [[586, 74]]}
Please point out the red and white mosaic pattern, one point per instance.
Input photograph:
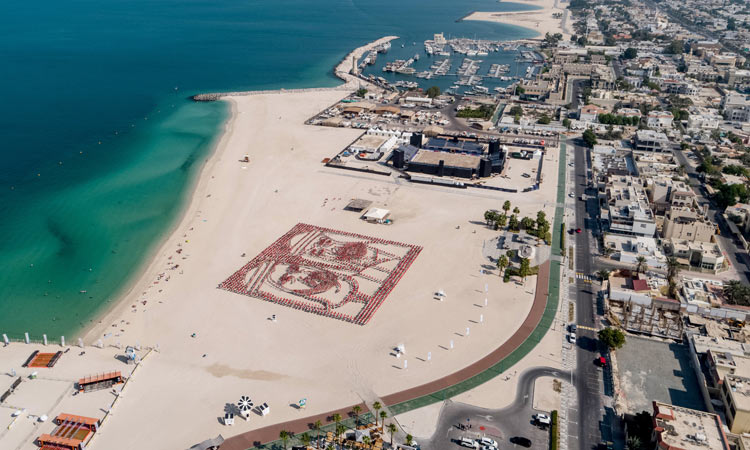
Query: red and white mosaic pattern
{"points": [[337, 274]]}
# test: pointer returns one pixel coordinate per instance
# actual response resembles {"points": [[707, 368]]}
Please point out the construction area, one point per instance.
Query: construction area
{"points": [[636, 307]]}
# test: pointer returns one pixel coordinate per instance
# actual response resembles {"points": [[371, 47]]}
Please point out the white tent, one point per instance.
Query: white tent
{"points": [[376, 215]]}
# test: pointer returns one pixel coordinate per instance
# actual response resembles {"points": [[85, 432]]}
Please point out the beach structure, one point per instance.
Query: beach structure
{"points": [[130, 355], [72, 433], [377, 215], [245, 405], [100, 381], [228, 419], [42, 359]]}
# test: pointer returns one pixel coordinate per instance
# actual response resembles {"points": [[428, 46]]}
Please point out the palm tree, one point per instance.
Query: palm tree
{"points": [[603, 274], [392, 429], [608, 251], [641, 264], [502, 263], [284, 435], [409, 439], [634, 443], [516, 211], [356, 410], [340, 428], [305, 438], [376, 406], [317, 426], [366, 440], [673, 268], [502, 220], [336, 418], [523, 271], [506, 206], [383, 416]]}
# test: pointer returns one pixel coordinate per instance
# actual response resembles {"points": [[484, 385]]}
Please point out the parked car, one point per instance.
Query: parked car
{"points": [[520, 440], [578, 230], [601, 361], [573, 328], [542, 419], [468, 443], [487, 441], [572, 338]]}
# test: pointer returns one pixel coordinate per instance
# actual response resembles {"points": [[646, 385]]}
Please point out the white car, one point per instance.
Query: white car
{"points": [[572, 338], [542, 419], [485, 441], [488, 447], [468, 443]]}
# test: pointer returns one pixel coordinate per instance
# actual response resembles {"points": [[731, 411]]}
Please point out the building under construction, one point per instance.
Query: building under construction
{"points": [[637, 307]]}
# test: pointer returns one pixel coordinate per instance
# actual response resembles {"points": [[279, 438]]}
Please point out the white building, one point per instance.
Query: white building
{"points": [[659, 119], [627, 249]]}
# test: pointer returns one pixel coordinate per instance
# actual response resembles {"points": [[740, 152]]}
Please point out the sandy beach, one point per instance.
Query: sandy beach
{"points": [[215, 345], [541, 20]]}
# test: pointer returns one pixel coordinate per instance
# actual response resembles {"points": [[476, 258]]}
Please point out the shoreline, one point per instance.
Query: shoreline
{"points": [[539, 20], [94, 331], [149, 269]]}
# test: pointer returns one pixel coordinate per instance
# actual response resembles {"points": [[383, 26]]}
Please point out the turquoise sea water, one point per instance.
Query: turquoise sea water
{"points": [[100, 144]]}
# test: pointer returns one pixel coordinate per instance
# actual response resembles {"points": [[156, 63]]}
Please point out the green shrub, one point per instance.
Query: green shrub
{"points": [[554, 433]]}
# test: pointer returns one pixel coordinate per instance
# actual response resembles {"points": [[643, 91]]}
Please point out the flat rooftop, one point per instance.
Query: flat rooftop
{"points": [[740, 388], [688, 429], [450, 159]]}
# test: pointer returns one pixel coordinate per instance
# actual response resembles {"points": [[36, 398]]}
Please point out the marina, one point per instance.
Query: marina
{"points": [[486, 64]]}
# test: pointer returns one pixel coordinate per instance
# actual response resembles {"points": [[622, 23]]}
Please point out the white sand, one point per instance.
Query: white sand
{"points": [[540, 21]]}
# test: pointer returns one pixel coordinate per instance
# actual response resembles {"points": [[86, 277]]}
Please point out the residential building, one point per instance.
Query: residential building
{"points": [[677, 428], [651, 141], [626, 209], [703, 255], [665, 192], [736, 107], [720, 364], [659, 119], [735, 393], [703, 119], [627, 249], [590, 113], [686, 223]]}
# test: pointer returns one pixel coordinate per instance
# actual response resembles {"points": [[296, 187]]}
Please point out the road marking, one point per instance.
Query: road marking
{"points": [[583, 327]]}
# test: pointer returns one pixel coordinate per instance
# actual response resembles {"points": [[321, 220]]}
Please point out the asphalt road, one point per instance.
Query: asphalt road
{"points": [[592, 426], [737, 257], [499, 424]]}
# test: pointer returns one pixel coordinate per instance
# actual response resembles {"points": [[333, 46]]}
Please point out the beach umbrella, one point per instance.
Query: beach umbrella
{"points": [[245, 405]]}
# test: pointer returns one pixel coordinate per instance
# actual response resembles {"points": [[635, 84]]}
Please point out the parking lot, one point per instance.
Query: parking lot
{"points": [[653, 370]]}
